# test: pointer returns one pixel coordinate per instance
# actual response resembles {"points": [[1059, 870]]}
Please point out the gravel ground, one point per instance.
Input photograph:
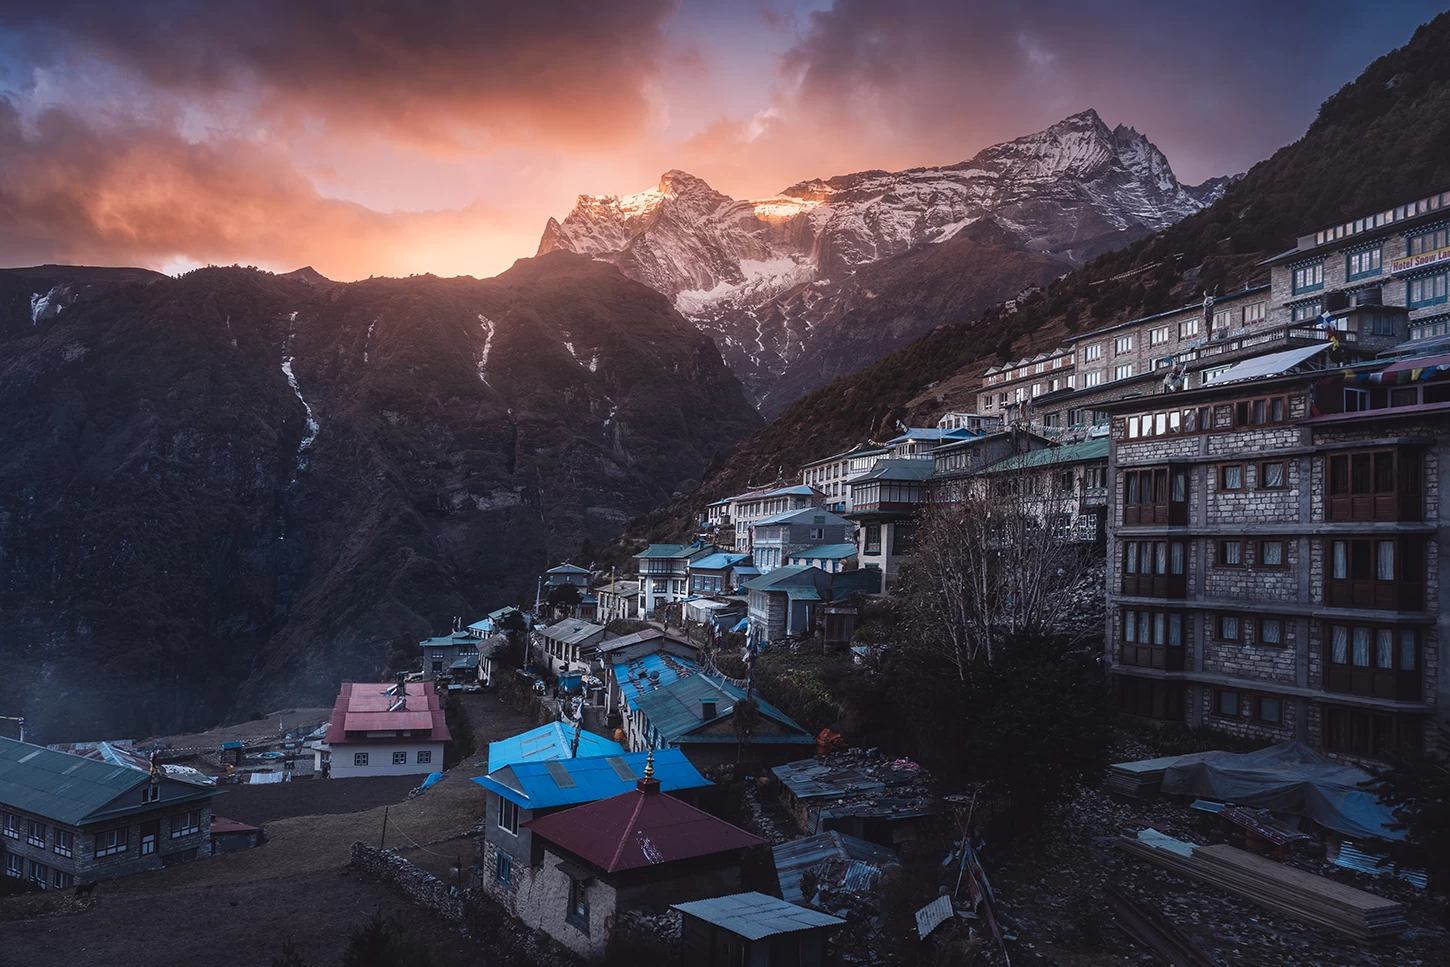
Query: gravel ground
{"points": [[310, 797], [1051, 898]]}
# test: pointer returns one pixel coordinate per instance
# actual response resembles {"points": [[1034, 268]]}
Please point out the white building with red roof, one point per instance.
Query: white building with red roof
{"points": [[385, 729]]}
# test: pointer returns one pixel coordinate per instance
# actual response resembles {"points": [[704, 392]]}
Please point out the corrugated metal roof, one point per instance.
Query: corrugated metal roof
{"points": [[535, 785], [568, 569], [794, 858], [649, 673], [1052, 456], [827, 552], [1272, 364], [756, 916], [674, 711], [66, 788], [774, 580], [919, 469], [668, 550], [571, 631], [806, 515], [550, 741], [802, 592], [718, 562], [640, 829]]}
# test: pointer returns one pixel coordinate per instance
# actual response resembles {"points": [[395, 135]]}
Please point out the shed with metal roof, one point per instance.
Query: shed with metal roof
{"points": [[746, 928]]}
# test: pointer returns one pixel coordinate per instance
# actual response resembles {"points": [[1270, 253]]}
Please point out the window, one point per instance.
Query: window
{"points": [[1305, 311], [1427, 290], [1123, 344], [1269, 710], [1157, 337], [1188, 328], [110, 842], [400, 758], [152, 793], [818, 533], [1229, 627], [35, 833], [1124, 371], [1094, 378], [359, 758], [508, 816], [425, 757], [1271, 475], [14, 865], [1230, 553], [578, 912], [1231, 477], [873, 539], [64, 842], [184, 824], [150, 833], [1092, 353], [39, 874], [1271, 631], [1254, 312], [1226, 703], [1427, 242], [12, 826], [1223, 319], [1309, 277], [61, 880], [503, 867], [1361, 264]]}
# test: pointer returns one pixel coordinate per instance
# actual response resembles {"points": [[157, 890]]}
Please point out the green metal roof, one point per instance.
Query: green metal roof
{"points": [[898, 469], [674, 711], [65, 788], [1052, 456], [826, 552], [802, 593], [776, 579], [664, 550]]}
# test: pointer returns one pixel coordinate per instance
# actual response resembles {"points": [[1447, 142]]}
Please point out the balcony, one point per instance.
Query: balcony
{"points": [[1390, 683], [1385, 574], [1155, 585], [1157, 497], [1375, 595], [1377, 485], [1164, 657]]}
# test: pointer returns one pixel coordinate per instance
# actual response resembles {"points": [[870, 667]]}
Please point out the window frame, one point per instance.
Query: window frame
{"points": [[576, 913], [425, 757], [508, 816], [1260, 558], [1222, 559], [1223, 484], [1260, 632], [1283, 483], [1222, 635], [116, 840], [1258, 710], [189, 826], [1218, 696], [65, 842]]}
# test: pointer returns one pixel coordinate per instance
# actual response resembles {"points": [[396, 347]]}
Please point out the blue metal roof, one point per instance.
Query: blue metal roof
{"points": [[674, 711], [570, 782], [550, 741], [649, 673], [793, 516], [799, 490], [829, 552], [718, 562], [756, 916]]}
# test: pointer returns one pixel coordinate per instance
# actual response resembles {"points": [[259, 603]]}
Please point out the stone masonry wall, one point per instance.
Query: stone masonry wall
{"points": [[1252, 581], [420, 885], [1244, 724]]}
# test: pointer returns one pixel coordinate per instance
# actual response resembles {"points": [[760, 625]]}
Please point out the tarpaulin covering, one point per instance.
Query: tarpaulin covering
{"points": [[1288, 778]]}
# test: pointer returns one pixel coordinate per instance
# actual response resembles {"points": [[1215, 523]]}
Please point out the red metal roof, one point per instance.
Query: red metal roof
{"points": [[219, 825], [363, 707], [639, 829], [1418, 362]]}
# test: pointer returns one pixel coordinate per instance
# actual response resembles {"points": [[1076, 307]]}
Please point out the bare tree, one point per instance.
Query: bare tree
{"points": [[995, 558]]}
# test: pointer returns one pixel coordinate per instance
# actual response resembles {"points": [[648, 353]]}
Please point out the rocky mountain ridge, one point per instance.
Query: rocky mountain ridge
{"points": [[769, 278], [230, 490]]}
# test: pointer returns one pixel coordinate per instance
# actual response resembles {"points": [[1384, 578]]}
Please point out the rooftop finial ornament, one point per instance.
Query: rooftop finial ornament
{"points": [[649, 765]]}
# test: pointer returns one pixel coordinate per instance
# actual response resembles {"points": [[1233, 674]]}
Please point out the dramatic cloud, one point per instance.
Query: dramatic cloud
{"points": [[470, 72], [396, 136], [138, 194]]}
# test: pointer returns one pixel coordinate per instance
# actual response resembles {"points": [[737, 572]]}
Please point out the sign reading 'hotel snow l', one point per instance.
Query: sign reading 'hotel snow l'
{"points": [[1436, 257]]}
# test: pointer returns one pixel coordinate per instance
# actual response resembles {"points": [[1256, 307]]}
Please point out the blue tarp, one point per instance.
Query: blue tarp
{"points": [[432, 778], [741, 625], [1287, 778]]}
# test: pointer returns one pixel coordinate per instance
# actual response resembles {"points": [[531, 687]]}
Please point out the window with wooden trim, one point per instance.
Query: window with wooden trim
{"points": [[1271, 554], [1268, 710], [1231, 476], [1226, 703], [1272, 475], [111, 842], [1374, 485], [184, 824], [1230, 553], [1229, 628], [1380, 660], [1271, 632]]}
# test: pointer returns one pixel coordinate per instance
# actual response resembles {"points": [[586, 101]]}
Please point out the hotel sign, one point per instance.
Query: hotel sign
{"points": [[1437, 257]]}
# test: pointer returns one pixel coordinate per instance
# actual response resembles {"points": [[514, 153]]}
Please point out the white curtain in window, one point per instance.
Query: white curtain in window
{"points": [[1175, 630], [1361, 647], [1384, 648], [1341, 560], [1384, 561], [1158, 635], [1177, 563], [1130, 627], [1339, 645]]}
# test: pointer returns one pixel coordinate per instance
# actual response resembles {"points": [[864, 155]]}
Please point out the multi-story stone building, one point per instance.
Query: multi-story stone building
{"points": [[747, 508], [885, 503], [1007, 390], [1274, 552], [67, 819]]}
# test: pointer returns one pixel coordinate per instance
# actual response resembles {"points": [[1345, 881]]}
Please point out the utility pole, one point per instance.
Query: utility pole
{"points": [[384, 838]]}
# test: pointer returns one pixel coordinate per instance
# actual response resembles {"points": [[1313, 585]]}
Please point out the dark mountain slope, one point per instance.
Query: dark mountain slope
{"points": [[177, 537], [1381, 140]]}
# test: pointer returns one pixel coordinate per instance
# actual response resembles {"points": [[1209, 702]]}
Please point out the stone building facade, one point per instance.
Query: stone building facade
{"points": [[1273, 555]]}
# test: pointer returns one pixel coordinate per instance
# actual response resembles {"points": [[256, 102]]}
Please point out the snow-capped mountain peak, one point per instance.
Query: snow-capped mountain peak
{"points": [[1070, 191]]}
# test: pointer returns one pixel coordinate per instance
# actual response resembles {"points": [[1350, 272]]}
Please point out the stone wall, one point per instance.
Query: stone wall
{"points": [[418, 884]]}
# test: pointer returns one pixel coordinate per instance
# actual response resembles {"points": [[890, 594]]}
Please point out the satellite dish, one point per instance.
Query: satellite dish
{"points": [[654, 676]]}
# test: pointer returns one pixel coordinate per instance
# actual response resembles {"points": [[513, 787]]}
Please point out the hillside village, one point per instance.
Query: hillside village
{"points": [[1244, 494]]}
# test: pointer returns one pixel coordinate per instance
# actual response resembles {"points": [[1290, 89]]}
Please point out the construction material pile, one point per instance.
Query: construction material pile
{"points": [[1283, 889]]}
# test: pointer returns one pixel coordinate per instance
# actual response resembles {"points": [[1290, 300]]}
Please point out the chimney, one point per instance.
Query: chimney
{"points": [[648, 785], [707, 708]]}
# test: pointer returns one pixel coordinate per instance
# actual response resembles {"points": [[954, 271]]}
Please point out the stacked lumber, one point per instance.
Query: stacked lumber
{"points": [[1292, 892], [1141, 779]]}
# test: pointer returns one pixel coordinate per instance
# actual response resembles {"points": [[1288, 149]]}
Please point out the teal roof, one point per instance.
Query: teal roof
{"points": [[718, 562], [773, 580], [550, 741], [674, 711], [72, 789], [804, 592], [649, 673], [829, 552], [799, 516], [898, 469], [569, 782], [664, 550], [568, 569], [468, 661], [1052, 456]]}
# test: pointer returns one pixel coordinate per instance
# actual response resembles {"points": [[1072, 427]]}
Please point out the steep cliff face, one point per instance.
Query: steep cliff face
{"points": [[761, 275], [235, 489]]}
